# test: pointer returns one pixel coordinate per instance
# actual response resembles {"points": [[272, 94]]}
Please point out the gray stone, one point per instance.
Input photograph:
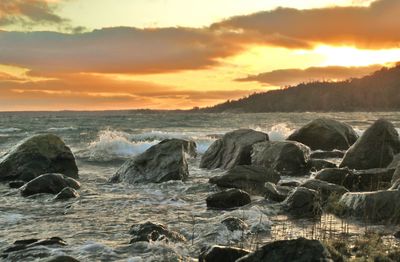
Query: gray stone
{"points": [[228, 199], [234, 223], [275, 192], [66, 193], [325, 134], [221, 253], [232, 150], [150, 231], [319, 164], [48, 183], [326, 190], [303, 203], [327, 154]]}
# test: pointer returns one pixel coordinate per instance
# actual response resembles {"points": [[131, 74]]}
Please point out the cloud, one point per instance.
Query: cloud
{"points": [[86, 91], [285, 77], [115, 50], [375, 26], [28, 12]]}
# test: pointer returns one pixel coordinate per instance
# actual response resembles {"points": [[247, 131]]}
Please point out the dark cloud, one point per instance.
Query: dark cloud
{"points": [[375, 26], [28, 12], [285, 77]]}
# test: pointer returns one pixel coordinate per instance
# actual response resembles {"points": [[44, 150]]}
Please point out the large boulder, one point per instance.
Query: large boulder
{"points": [[378, 206], [49, 184], [357, 180], [296, 250], [376, 148], [221, 253], [232, 150], [35, 156], [227, 199], [160, 163], [248, 178], [303, 203], [325, 189], [150, 231], [325, 134], [287, 157]]}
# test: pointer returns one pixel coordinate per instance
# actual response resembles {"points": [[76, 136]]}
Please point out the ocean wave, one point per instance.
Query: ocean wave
{"points": [[10, 130], [278, 132], [60, 129]]}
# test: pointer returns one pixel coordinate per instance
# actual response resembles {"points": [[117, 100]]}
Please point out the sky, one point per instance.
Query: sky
{"points": [[180, 54]]}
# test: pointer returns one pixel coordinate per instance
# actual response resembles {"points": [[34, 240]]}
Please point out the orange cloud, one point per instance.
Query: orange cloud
{"points": [[373, 27], [285, 77]]}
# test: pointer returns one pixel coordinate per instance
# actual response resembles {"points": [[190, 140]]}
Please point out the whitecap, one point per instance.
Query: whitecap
{"points": [[60, 129], [10, 130]]}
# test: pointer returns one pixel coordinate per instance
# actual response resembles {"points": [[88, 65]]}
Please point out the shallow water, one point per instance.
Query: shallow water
{"points": [[96, 225]]}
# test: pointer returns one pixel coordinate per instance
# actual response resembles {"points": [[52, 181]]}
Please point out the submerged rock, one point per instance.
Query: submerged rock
{"points": [[379, 206], [248, 178], [301, 250], [376, 148], [276, 193], [35, 156], [49, 183], [16, 184], [325, 134], [221, 253], [232, 150], [227, 199], [287, 157], [66, 193], [234, 223], [327, 154], [303, 203], [61, 259], [160, 163], [325, 189], [150, 231], [29, 243]]}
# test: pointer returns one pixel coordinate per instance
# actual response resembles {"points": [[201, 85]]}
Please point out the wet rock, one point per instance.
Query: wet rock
{"points": [[221, 253], [227, 199], [150, 231], [232, 150], [275, 192], [289, 183], [325, 189], [248, 178], [48, 183], [301, 250], [36, 156], [378, 206], [376, 148], [319, 164], [287, 157], [396, 175], [395, 185], [28, 243], [325, 134], [61, 259], [66, 193], [16, 184], [327, 154], [303, 203], [160, 163], [395, 162], [397, 235], [234, 223]]}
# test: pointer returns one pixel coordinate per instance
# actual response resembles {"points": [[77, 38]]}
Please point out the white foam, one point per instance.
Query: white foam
{"points": [[55, 129], [94, 247], [279, 132], [10, 130]]}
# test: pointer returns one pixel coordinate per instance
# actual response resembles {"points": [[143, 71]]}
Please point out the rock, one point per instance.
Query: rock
{"points": [[248, 178], [16, 184], [303, 203], [28, 243], [300, 250], [38, 155], [397, 235], [396, 175], [276, 193], [66, 193], [160, 163], [289, 183], [150, 231], [395, 185], [325, 134], [62, 259], [378, 206], [376, 148], [325, 189], [327, 154], [48, 183], [395, 162], [227, 199], [357, 180], [287, 157], [232, 150], [234, 223], [221, 253], [319, 164]]}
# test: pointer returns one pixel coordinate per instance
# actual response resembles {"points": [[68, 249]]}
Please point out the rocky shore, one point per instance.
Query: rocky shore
{"points": [[341, 174]]}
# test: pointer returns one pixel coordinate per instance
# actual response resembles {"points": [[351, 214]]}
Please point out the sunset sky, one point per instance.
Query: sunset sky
{"points": [[168, 54]]}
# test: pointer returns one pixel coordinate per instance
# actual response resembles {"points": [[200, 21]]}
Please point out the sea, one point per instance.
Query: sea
{"points": [[96, 225]]}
